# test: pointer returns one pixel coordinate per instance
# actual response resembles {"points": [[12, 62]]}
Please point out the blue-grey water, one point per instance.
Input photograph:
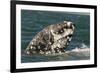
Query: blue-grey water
{"points": [[34, 21]]}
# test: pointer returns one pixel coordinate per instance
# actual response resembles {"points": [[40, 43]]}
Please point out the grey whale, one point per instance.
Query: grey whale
{"points": [[52, 39]]}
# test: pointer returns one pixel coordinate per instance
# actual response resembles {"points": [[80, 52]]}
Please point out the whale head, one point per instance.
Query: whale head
{"points": [[63, 30], [52, 39]]}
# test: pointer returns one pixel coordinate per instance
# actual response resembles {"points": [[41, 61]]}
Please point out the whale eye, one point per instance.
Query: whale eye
{"points": [[70, 35], [60, 31]]}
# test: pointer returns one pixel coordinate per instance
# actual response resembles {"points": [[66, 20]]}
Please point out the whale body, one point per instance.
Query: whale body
{"points": [[52, 39]]}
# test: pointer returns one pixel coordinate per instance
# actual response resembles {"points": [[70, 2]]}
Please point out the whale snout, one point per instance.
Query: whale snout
{"points": [[69, 25]]}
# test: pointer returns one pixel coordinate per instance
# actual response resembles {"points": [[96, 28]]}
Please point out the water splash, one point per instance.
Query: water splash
{"points": [[83, 50], [79, 53]]}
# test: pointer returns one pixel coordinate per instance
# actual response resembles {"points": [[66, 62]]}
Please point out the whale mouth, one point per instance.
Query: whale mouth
{"points": [[67, 37], [60, 45]]}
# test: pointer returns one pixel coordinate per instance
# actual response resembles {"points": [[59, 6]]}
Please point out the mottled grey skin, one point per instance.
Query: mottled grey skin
{"points": [[52, 39]]}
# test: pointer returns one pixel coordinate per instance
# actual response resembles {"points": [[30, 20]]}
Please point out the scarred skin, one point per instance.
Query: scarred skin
{"points": [[52, 39]]}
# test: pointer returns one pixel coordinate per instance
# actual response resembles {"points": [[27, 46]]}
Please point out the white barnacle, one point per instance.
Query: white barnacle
{"points": [[61, 31], [67, 32], [45, 48], [59, 51], [67, 37], [73, 27], [41, 52], [32, 43], [46, 53], [38, 47], [27, 52], [34, 47], [50, 43], [49, 52], [65, 21], [70, 39], [58, 45], [68, 24], [31, 47], [57, 48], [52, 50], [71, 32], [34, 51], [65, 29]]}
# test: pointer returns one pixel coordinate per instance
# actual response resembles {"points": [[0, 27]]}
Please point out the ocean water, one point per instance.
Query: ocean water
{"points": [[34, 21]]}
